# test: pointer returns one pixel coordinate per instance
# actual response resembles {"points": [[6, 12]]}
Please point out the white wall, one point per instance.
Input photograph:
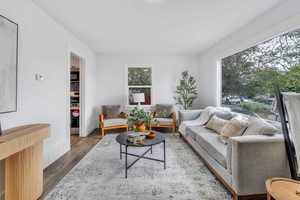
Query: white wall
{"points": [[166, 71], [44, 48], [280, 19]]}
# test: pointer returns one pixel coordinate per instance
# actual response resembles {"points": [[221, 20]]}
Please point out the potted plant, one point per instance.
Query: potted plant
{"points": [[186, 91], [140, 119]]}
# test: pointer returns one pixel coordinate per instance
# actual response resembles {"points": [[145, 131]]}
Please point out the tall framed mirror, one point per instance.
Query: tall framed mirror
{"points": [[289, 111], [8, 65]]}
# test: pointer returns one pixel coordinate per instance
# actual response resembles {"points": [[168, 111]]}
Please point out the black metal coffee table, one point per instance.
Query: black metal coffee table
{"points": [[158, 139]]}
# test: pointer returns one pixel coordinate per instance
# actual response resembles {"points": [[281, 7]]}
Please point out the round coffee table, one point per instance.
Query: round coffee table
{"points": [[158, 139]]}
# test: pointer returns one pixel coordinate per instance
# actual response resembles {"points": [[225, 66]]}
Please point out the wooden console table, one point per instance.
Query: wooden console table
{"points": [[21, 148]]}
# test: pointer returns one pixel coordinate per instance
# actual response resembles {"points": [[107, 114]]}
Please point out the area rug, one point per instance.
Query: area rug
{"points": [[100, 175]]}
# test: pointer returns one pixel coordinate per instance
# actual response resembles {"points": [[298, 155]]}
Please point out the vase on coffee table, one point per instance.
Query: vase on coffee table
{"points": [[140, 127]]}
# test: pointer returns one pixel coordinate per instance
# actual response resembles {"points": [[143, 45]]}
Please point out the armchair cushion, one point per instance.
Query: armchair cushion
{"points": [[111, 111], [115, 122], [164, 121], [163, 110]]}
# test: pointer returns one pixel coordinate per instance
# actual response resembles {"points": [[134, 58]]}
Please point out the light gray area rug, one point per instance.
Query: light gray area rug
{"points": [[100, 175]]}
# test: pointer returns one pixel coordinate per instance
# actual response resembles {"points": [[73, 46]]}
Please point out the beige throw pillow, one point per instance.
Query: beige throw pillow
{"points": [[235, 127], [217, 124]]}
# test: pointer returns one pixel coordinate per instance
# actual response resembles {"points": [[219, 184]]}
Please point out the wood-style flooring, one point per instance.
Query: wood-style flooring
{"points": [[80, 146]]}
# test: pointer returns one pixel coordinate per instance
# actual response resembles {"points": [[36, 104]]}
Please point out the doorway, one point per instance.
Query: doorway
{"points": [[76, 97]]}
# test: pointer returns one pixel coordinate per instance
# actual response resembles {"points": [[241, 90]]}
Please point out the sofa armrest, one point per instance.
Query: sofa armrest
{"points": [[185, 115], [254, 159]]}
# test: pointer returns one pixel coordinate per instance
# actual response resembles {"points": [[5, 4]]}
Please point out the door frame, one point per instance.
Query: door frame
{"points": [[81, 94]]}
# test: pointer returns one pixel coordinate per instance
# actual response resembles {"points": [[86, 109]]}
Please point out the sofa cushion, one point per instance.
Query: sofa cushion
{"points": [[114, 122], [164, 121], [111, 111], [209, 141], [185, 124]]}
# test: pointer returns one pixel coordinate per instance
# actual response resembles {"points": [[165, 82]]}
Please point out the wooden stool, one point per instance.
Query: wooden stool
{"points": [[283, 189]]}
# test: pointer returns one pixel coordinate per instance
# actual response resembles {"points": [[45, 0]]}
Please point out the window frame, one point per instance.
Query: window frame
{"points": [[138, 86]]}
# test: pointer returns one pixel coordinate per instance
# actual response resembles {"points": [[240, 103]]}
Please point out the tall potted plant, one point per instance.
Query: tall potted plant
{"points": [[186, 91], [140, 119]]}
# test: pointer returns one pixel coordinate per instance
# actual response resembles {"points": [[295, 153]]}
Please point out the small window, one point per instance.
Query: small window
{"points": [[139, 81]]}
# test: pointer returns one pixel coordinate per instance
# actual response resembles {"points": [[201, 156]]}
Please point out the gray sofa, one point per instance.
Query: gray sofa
{"points": [[244, 164]]}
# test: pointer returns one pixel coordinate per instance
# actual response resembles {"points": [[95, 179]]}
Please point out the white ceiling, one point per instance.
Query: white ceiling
{"points": [[153, 26]]}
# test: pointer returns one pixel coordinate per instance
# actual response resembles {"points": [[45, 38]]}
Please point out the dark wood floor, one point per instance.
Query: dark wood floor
{"points": [[80, 146]]}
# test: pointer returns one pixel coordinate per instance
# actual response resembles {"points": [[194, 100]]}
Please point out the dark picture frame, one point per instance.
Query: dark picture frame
{"points": [[16, 65]]}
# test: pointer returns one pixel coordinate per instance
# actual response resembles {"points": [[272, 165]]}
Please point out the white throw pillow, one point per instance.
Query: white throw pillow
{"points": [[207, 113], [217, 124], [235, 127], [258, 126]]}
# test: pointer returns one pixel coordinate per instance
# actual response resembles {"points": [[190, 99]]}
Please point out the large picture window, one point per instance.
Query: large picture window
{"points": [[139, 81], [249, 77]]}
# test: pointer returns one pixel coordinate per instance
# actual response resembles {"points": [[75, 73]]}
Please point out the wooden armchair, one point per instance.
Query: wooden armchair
{"points": [[168, 122], [112, 123]]}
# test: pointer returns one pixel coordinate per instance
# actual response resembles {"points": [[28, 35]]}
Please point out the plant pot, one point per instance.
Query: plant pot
{"points": [[140, 127]]}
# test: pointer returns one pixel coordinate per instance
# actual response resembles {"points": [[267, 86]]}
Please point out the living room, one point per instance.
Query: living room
{"points": [[165, 38]]}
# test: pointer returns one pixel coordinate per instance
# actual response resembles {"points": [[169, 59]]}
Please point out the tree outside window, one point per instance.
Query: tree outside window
{"points": [[250, 76]]}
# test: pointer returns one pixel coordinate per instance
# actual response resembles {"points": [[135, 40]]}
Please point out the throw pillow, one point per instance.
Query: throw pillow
{"points": [[208, 112], [235, 127], [217, 124], [258, 126], [225, 115], [163, 110], [111, 111]]}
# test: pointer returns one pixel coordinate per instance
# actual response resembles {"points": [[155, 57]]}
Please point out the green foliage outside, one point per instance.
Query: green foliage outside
{"points": [[260, 108], [186, 91], [139, 76], [257, 71], [249, 83]]}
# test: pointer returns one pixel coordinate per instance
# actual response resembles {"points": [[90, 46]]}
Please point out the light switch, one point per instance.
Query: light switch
{"points": [[39, 77]]}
